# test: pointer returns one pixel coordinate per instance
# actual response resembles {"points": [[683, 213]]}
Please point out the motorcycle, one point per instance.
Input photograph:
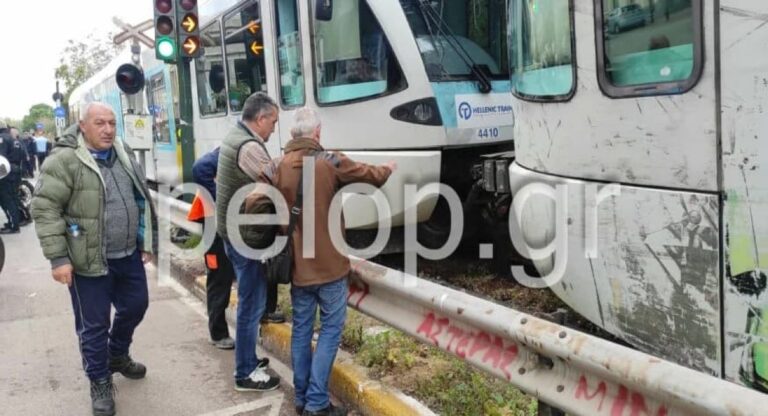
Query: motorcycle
{"points": [[25, 192]]}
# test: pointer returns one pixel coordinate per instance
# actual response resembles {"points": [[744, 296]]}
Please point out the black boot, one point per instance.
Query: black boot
{"points": [[127, 367], [103, 397]]}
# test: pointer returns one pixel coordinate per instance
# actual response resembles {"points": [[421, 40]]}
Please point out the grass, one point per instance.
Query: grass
{"points": [[445, 384]]}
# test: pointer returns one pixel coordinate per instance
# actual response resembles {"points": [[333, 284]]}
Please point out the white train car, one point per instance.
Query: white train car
{"points": [[665, 98], [423, 83]]}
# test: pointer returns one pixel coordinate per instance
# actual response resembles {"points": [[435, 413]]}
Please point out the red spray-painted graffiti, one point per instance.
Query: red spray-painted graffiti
{"points": [[467, 344], [358, 290], [624, 399]]}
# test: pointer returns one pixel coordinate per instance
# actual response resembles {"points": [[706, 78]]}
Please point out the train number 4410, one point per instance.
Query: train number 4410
{"points": [[486, 133]]}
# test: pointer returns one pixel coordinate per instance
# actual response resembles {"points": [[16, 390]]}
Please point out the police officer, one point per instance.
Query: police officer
{"points": [[12, 150], [25, 217]]}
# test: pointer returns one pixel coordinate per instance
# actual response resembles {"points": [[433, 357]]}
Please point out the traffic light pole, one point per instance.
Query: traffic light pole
{"points": [[184, 131]]}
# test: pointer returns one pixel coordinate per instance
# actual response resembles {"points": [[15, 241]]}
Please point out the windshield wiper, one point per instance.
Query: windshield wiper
{"points": [[480, 72]]}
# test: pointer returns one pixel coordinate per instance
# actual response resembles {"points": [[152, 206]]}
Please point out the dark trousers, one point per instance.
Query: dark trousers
{"points": [[9, 198], [125, 287], [271, 297], [218, 287], [41, 159]]}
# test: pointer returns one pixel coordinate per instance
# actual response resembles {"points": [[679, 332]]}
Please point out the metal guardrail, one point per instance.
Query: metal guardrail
{"points": [[576, 372]]}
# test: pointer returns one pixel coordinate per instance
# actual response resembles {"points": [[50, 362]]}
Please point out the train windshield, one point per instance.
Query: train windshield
{"points": [[541, 49], [455, 35]]}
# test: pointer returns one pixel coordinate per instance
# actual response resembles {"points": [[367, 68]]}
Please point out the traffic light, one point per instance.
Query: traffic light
{"points": [[189, 29], [129, 78], [165, 30], [252, 36]]}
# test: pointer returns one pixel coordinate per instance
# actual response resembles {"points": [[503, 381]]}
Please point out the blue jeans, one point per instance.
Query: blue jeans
{"points": [[125, 287], [311, 374], [251, 303]]}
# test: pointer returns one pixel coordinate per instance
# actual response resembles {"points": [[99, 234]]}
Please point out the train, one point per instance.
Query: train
{"points": [[653, 137], [390, 79], [642, 119]]}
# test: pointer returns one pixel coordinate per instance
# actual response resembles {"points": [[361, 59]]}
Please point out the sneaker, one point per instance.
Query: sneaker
{"points": [[273, 318], [127, 367], [259, 380], [331, 410], [262, 363], [103, 397], [10, 231], [225, 343]]}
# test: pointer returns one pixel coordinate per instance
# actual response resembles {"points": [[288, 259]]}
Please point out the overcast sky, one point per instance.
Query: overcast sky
{"points": [[33, 35]]}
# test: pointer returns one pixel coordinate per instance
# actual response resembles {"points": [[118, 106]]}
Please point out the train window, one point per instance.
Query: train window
{"points": [[245, 55], [454, 35], [158, 108], [211, 94], [353, 59], [648, 47], [542, 50], [289, 54]]}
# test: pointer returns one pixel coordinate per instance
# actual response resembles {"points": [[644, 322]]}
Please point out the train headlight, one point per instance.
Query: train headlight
{"points": [[422, 111]]}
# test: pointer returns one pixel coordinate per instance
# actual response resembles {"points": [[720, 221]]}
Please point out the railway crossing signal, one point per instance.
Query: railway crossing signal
{"points": [[129, 78]]}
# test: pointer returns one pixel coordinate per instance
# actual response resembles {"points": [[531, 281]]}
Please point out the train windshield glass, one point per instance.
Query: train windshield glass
{"points": [[454, 35], [648, 42], [541, 49]]}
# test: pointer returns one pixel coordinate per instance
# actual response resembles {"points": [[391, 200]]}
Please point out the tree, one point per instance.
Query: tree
{"points": [[80, 60], [39, 113]]}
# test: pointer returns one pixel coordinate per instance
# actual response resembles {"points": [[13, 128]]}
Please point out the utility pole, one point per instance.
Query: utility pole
{"points": [[59, 112], [184, 130]]}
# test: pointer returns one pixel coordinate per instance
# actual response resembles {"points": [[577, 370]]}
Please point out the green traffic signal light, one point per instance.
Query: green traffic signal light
{"points": [[166, 48]]}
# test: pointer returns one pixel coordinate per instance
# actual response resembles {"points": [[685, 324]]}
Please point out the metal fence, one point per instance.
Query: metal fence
{"points": [[576, 372]]}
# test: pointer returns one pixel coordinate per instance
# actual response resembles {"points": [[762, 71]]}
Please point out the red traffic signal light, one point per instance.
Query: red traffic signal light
{"points": [[164, 6], [129, 78], [188, 5]]}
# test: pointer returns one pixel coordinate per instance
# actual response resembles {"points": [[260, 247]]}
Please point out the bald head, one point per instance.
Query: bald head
{"points": [[98, 126]]}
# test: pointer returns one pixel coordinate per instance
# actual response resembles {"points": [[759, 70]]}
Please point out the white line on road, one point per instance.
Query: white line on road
{"points": [[198, 306], [273, 403]]}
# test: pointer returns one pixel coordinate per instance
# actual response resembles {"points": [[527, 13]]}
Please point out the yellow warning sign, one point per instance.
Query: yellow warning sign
{"points": [[139, 124]]}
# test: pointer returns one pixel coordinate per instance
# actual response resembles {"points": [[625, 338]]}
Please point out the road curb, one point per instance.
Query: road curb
{"points": [[349, 381]]}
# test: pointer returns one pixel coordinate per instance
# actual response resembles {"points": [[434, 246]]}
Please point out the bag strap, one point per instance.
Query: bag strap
{"points": [[296, 209]]}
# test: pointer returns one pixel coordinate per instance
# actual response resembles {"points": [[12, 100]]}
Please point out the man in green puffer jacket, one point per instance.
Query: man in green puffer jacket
{"points": [[97, 226]]}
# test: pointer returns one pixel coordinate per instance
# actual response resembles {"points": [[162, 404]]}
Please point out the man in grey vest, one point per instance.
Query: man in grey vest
{"points": [[243, 160]]}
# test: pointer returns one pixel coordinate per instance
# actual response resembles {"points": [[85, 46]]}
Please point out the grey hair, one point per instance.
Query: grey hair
{"points": [[306, 121], [257, 105], [86, 108]]}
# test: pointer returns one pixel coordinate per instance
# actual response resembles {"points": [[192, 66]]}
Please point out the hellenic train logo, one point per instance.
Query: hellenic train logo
{"points": [[465, 110]]}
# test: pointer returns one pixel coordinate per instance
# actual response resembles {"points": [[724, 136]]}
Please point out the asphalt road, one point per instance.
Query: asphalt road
{"points": [[40, 367]]}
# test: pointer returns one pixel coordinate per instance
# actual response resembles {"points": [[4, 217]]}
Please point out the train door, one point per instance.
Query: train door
{"points": [[744, 100], [233, 66], [159, 113], [288, 62]]}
